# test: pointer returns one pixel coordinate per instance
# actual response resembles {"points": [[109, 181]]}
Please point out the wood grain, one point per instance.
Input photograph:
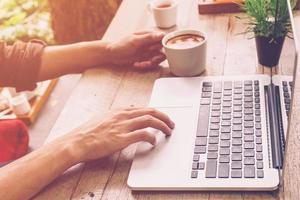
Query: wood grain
{"points": [[101, 90]]}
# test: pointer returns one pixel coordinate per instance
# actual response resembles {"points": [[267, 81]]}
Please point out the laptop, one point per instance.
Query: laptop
{"points": [[230, 133]]}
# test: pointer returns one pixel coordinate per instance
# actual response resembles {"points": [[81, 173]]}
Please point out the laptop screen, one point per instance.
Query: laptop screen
{"points": [[289, 60]]}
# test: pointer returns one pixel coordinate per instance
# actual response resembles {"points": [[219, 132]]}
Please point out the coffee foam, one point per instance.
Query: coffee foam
{"points": [[185, 41]]}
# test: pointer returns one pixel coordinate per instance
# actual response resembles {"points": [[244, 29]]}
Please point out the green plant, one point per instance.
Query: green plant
{"points": [[25, 20], [262, 19]]}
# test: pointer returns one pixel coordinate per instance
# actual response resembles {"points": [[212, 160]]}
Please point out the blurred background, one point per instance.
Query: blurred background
{"points": [[55, 21]]}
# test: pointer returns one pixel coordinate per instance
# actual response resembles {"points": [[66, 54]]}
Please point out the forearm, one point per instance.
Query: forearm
{"points": [[28, 175], [74, 58]]}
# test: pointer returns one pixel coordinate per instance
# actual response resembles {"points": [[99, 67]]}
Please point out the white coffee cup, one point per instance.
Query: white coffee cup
{"points": [[189, 59], [164, 12]]}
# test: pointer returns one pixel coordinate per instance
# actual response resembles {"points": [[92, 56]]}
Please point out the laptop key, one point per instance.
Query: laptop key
{"points": [[249, 153], [201, 165], [236, 142], [249, 172], [201, 141], [205, 101], [213, 133], [216, 101], [206, 95], [215, 113], [238, 84], [258, 133], [248, 145], [248, 118], [212, 155], [248, 82], [224, 143], [215, 120], [225, 129], [259, 148], [212, 147], [214, 126], [194, 174], [207, 84], [236, 174], [223, 171], [248, 138], [260, 173], [226, 123], [237, 115], [196, 157], [226, 116], [236, 149], [224, 151], [249, 161], [217, 96], [237, 128], [213, 140], [211, 169], [236, 157], [260, 165], [237, 121], [224, 159], [216, 108], [248, 131], [237, 134], [236, 165], [195, 166], [203, 120], [225, 136], [249, 124], [200, 150], [258, 140], [227, 99], [237, 102], [259, 156]]}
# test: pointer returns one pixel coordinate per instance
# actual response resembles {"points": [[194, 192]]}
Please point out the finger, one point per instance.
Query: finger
{"points": [[152, 62], [158, 59], [143, 64], [148, 121], [143, 32], [140, 136], [150, 38], [154, 113], [155, 47]]}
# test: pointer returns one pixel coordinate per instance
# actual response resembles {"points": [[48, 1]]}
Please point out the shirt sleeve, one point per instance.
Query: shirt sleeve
{"points": [[20, 64]]}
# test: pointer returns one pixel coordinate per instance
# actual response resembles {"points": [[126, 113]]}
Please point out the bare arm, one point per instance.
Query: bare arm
{"points": [[23, 178], [140, 50]]}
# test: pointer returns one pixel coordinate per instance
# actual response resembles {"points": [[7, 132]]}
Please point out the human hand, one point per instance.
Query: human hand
{"points": [[141, 50], [117, 131]]}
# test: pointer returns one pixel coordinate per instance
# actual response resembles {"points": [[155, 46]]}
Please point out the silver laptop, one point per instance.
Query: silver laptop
{"points": [[230, 133]]}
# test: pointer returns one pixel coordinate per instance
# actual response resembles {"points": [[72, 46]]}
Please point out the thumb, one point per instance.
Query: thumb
{"points": [[139, 136]]}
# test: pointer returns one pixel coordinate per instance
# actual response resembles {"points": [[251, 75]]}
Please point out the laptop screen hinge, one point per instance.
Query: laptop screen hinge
{"points": [[272, 97]]}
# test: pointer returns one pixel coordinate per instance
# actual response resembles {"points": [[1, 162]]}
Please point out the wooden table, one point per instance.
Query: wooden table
{"points": [[103, 89]]}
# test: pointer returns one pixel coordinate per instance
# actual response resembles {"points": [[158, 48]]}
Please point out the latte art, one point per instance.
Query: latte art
{"points": [[185, 41]]}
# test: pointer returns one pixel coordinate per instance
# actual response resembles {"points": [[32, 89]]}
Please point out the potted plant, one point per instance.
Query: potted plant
{"points": [[269, 21]]}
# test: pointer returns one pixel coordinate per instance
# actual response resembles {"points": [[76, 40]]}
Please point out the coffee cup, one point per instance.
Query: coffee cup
{"points": [[164, 13], [186, 52]]}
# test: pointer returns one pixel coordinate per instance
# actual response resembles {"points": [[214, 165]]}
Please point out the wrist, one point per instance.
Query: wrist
{"points": [[94, 54]]}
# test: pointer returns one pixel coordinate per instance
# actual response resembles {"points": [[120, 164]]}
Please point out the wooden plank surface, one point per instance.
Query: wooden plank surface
{"points": [[104, 89]]}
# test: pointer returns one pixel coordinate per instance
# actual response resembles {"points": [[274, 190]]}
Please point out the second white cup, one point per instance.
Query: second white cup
{"points": [[164, 13]]}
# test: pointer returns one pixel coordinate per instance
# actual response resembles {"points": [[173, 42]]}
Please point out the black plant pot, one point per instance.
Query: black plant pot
{"points": [[269, 50]]}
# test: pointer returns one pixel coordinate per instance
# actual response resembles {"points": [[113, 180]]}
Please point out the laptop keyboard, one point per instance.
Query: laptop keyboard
{"points": [[287, 88], [228, 143]]}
